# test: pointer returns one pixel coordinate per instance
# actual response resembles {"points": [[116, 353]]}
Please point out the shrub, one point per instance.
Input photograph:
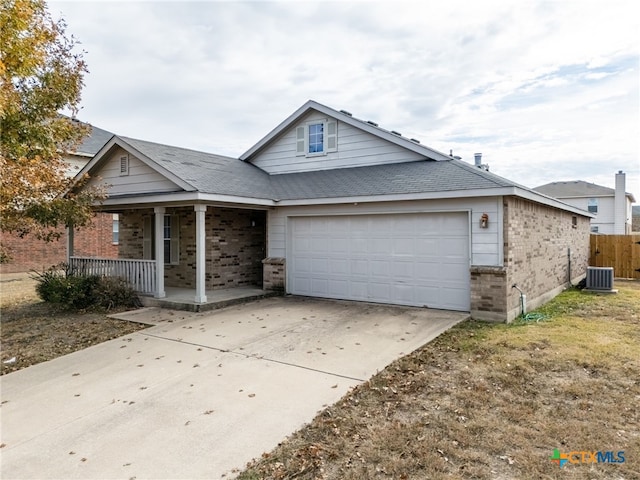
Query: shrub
{"points": [[113, 292], [71, 291]]}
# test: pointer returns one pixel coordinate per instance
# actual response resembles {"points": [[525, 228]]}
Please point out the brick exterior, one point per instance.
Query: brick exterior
{"points": [[275, 273], [234, 243], [29, 253], [537, 240]]}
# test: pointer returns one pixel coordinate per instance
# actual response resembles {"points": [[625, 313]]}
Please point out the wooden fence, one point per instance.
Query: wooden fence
{"points": [[622, 252]]}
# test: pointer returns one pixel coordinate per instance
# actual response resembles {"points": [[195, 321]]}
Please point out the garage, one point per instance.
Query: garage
{"points": [[419, 259]]}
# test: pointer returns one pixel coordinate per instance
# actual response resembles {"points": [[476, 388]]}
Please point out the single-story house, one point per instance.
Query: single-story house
{"points": [[328, 205], [611, 207]]}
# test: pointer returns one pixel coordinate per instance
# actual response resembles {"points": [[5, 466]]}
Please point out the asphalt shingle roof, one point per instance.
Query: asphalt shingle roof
{"points": [[216, 174], [400, 178], [575, 188], [206, 172]]}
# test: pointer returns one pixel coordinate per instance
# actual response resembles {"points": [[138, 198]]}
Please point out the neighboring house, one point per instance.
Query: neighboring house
{"points": [[635, 215], [327, 205], [100, 239], [611, 207]]}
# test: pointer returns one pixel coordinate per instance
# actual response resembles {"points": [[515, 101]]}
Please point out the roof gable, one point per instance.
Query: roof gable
{"points": [[577, 189], [347, 118]]}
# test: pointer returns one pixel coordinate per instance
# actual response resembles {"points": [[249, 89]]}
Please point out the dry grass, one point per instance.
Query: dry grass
{"points": [[488, 401], [33, 331]]}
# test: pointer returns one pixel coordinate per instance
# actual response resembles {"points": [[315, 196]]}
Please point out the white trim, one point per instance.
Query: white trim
{"points": [[200, 211], [178, 197], [116, 141], [159, 213], [348, 119], [500, 206]]}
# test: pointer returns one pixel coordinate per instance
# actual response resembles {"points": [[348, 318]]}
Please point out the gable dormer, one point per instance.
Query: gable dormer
{"points": [[316, 137]]}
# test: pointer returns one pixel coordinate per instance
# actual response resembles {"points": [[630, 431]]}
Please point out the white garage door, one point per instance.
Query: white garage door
{"points": [[407, 259]]}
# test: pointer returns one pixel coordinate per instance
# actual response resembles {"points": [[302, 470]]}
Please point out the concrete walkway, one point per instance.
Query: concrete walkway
{"points": [[198, 395]]}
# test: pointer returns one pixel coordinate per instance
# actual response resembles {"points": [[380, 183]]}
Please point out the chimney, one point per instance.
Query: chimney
{"points": [[478, 158], [620, 205]]}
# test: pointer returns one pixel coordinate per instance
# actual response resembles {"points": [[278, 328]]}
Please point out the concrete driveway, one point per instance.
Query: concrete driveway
{"points": [[199, 395]]}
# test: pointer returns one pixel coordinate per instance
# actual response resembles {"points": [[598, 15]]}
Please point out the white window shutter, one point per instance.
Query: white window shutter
{"points": [[175, 239], [301, 140], [331, 136], [147, 238]]}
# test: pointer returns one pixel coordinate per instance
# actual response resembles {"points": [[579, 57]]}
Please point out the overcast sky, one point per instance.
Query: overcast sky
{"points": [[546, 90]]}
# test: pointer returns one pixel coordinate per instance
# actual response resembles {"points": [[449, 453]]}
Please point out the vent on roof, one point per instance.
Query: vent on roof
{"points": [[396, 133], [414, 140], [346, 113], [372, 123], [600, 278]]}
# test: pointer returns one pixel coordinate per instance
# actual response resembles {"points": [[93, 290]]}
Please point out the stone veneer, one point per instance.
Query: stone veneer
{"points": [[234, 242], [537, 239]]}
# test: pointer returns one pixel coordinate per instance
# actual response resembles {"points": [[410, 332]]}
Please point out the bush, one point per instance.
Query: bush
{"points": [[70, 291], [113, 292]]}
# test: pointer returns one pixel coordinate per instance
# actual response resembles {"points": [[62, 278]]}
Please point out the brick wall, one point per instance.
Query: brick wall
{"points": [[274, 269], [537, 240], [29, 253], [234, 243], [488, 293]]}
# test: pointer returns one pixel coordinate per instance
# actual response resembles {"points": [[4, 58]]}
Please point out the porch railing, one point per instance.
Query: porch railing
{"points": [[141, 274]]}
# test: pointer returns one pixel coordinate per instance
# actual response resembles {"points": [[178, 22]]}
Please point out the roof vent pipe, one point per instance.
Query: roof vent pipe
{"points": [[478, 159]]}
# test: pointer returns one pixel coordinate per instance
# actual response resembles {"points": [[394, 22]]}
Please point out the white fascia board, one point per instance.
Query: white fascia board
{"points": [[155, 166], [401, 197], [550, 201], [132, 201], [484, 192], [116, 141], [342, 117], [277, 130]]}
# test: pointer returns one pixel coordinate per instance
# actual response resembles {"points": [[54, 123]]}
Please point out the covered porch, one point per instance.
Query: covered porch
{"points": [[191, 257]]}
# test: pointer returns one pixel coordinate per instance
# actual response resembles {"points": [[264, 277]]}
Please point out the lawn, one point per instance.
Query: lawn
{"points": [[32, 331], [490, 401]]}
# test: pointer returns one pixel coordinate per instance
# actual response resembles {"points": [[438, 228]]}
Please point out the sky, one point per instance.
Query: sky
{"points": [[545, 90]]}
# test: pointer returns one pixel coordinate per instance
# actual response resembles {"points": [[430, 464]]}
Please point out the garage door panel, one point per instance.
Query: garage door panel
{"points": [[319, 265], [413, 259]]}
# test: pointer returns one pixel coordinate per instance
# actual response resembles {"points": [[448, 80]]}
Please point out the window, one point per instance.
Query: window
{"points": [[170, 239], [594, 229], [124, 165], [592, 205], [116, 229], [317, 137]]}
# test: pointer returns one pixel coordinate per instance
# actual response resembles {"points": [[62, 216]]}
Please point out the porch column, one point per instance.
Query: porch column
{"points": [[201, 294], [159, 235]]}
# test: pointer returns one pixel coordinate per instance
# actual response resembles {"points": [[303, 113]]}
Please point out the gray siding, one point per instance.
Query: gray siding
{"points": [[356, 148], [141, 178], [485, 242]]}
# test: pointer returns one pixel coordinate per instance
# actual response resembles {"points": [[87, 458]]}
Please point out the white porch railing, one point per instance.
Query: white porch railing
{"points": [[141, 274]]}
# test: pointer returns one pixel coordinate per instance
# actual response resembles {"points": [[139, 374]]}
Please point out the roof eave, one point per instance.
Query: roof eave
{"points": [[348, 119]]}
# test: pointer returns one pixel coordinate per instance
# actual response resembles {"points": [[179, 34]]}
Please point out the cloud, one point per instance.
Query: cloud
{"points": [[546, 90]]}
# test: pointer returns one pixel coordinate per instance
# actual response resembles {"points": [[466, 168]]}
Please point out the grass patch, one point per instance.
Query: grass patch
{"points": [[32, 331], [488, 401]]}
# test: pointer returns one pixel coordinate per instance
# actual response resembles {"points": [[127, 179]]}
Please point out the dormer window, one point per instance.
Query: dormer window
{"points": [[317, 137]]}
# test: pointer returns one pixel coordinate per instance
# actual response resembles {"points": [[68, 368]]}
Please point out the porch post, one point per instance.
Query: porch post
{"points": [[159, 235], [201, 294]]}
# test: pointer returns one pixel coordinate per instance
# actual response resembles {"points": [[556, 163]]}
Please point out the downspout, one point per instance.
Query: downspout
{"points": [[523, 300], [569, 260]]}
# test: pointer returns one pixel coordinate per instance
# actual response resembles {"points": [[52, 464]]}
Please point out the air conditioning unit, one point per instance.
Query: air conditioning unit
{"points": [[600, 278]]}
